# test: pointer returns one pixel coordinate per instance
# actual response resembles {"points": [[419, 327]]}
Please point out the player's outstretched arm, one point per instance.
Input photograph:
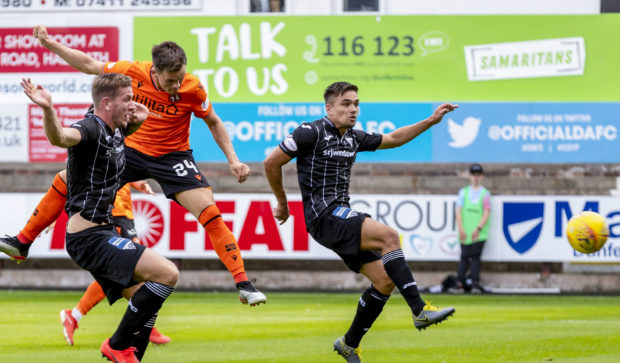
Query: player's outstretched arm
{"points": [[240, 170], [273, 171], [76, 58], [405, 134], [56, 134]]}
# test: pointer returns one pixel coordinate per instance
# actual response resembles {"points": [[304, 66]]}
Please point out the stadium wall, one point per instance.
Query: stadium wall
{"points": [[329, 274]]}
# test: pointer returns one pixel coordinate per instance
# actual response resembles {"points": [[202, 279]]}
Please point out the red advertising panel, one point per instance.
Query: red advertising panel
{"points": [[21, 52], [40, 148]]}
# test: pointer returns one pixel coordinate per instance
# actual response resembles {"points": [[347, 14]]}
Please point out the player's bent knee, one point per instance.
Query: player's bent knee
{"points": [[391, 240], [174, 276], [156, 268], [169, 274]]}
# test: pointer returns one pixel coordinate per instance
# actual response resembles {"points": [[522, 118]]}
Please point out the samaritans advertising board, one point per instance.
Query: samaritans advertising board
{"points": [[532, 88]]}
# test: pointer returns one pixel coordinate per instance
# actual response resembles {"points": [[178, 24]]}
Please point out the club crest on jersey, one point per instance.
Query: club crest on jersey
{"points": [[348, 141], [114, 151], [174, 98]]}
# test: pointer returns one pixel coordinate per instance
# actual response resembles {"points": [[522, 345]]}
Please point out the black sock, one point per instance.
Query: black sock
{"points": [[142, 306], [369, 307], [400, 273], [141, 340]]}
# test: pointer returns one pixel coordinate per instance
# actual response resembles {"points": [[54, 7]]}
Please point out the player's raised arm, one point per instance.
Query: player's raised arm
{"points": [[273, 171], [405, 134], [240, 170], [56, 134], [76, 58]]}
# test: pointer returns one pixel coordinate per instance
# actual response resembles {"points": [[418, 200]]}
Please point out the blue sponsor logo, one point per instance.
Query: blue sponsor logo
{"points": [[531, 132], [522, 224], [344, 212], [119, 242]]}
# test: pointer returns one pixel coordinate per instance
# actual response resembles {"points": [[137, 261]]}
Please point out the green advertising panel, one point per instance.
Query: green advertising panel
{"points": [[396, 58]]}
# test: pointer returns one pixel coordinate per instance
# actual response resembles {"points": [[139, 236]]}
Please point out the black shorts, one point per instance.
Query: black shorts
{"points": [[340, 229], [175, 172], [110, 258], [125, 227]]}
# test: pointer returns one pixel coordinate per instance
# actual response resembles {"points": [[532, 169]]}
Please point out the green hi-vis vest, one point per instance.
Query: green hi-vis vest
{"points": [[471, 213]]}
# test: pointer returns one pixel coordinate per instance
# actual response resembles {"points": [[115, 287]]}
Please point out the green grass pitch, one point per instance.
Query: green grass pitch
{"points": [[301, 327]]}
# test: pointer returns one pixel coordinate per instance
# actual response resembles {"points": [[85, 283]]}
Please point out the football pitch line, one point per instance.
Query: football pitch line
{"points": [[301, 327]]}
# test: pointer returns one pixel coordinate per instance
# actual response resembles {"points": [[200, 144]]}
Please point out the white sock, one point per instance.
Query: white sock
{"points": [[77, 315]]}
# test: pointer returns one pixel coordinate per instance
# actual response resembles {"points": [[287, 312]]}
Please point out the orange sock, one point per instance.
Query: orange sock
{"points": [[46, 212], [223, 241], [94, 293]]}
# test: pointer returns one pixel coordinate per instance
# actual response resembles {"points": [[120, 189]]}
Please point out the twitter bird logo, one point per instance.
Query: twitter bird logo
{"points": [[465, 134]]}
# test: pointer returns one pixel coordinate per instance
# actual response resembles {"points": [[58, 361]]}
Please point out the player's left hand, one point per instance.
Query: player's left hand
{"points": [[443, 109], [240, 170]]}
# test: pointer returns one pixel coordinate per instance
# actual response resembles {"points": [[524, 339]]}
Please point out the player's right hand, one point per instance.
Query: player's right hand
{"points": [[240, 170], [40, 33], [39, 95], [281, 212]]}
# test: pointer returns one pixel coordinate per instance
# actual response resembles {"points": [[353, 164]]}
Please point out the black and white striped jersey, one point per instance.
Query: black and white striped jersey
{"points": [[324, 162], [94, 169]]}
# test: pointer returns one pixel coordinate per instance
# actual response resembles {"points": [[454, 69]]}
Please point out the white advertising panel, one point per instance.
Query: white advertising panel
{"points": [[13, 133], [523, 228]]}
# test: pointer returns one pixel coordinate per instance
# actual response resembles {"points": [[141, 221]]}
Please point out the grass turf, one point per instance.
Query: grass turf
{"points": [[301, 327]]}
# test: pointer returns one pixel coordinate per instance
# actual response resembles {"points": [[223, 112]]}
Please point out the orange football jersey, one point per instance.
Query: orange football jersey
{"points": [[167, 127], [122, 203]]}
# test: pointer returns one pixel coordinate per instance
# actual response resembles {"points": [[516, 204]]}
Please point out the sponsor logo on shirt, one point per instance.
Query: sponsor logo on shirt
{"points": [[338, 153]]}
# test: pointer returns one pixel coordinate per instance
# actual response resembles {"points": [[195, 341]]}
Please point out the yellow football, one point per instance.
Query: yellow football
{"points": [[587, 232]]}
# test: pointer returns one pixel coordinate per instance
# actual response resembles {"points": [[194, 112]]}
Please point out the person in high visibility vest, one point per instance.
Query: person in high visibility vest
{"points": [[473, 208]]}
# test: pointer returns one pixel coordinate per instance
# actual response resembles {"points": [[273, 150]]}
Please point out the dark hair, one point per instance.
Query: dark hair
{"points": [[336, 89], [108, 84], [476, 169], [168, 56]]}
